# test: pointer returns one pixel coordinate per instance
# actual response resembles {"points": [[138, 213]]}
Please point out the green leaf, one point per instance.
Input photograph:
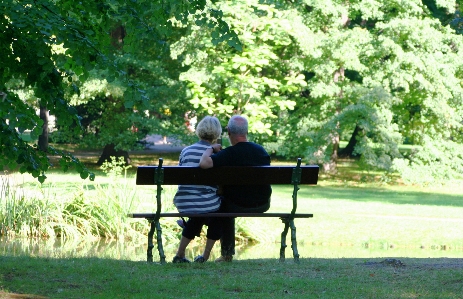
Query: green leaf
{"points": [[42, 178], [84, 175], [129, 104]]}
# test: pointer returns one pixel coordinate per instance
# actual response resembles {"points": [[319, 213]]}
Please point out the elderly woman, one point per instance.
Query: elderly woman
{"points": [[198, 199]]}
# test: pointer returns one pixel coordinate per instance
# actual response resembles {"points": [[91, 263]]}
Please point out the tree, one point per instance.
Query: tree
{"points": [[52, 47], [391, 70], [258, 81]]}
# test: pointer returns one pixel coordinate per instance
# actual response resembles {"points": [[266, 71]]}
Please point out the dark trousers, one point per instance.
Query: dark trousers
{"points": [[194, 226], [227, 242]]}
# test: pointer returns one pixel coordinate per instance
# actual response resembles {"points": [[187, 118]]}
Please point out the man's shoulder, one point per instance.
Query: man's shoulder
{"points": [[257, 147], [249, 144]]}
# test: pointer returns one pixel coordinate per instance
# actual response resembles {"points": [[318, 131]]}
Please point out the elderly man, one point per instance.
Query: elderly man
{"points": [[252, 199]]}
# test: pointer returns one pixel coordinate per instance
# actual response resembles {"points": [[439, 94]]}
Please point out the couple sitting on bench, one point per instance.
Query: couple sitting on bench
{"points": [[205, 199]]}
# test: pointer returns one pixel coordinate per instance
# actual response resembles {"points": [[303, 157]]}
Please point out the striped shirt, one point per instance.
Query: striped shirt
{"points": [[195, 198]]}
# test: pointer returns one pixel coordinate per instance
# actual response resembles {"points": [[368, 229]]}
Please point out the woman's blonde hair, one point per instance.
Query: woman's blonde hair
{"points": [[209, 128]]}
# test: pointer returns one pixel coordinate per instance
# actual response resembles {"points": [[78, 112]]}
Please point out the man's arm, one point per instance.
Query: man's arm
{"points": [[206, 160]]}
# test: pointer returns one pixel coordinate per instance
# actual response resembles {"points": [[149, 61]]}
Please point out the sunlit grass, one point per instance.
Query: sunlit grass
{"points": [[380, 217]]}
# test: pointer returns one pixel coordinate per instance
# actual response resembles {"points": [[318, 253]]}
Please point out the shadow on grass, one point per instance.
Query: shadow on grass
{"points": [[261, 278], [382, 195]]}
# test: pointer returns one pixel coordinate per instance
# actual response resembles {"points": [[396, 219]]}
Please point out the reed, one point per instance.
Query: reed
{"points": [[24, 212], [72, 210]]}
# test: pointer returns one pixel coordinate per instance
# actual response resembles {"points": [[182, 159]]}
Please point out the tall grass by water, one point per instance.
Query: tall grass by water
{"points": [[68, 208]]}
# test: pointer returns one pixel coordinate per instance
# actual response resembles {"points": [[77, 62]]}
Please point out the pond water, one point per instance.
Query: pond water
{"points": [[136, 251]]}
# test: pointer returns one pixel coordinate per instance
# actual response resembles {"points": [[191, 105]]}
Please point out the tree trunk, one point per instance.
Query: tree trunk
{"points": [[331, 165], [348, 151], [117, 37], [110, 151], [43, 138]]}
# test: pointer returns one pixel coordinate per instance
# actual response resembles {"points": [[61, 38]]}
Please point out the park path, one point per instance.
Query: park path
{"points": [[159, 144], [155, 144]]}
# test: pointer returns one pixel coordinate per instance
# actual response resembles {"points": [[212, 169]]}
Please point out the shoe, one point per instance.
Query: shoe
{"points": [[178, 260], [224, 258], [199, 259], [181, 223]]}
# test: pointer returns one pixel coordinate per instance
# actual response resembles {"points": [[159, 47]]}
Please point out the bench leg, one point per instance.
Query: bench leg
{"points": [[149, 252], [155, 226], [162, 256], [294, 241], [283, 240]]}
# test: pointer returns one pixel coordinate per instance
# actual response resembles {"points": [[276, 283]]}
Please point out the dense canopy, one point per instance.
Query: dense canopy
{"points": [[308, 75]]}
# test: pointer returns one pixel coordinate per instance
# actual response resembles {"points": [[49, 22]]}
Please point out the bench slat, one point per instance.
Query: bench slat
{"points": [[257, 175], [164, 215]]}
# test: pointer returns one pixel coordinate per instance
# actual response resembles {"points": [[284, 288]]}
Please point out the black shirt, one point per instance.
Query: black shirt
{"points": [[244, 154]]}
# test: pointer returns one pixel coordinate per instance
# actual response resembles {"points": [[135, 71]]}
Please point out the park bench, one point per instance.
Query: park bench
{"points": [[238, 175]]}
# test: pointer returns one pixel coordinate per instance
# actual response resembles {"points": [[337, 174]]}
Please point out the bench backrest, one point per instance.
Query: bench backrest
{"points": [[237, 175]]}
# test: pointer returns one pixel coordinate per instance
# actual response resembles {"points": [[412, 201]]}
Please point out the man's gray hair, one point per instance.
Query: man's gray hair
{"points": [[209, 128], [238, 125]]}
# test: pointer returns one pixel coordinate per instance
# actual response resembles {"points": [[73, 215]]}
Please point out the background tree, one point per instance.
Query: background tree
{"points": [[33, 32], [260, 81], [391, 70]]}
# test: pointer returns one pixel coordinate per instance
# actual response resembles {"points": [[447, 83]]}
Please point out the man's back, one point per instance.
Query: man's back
{"points": [[244, 154]]}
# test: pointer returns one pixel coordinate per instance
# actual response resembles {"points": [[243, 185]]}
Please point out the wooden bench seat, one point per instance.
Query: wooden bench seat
{"points": [[237, 175]]}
